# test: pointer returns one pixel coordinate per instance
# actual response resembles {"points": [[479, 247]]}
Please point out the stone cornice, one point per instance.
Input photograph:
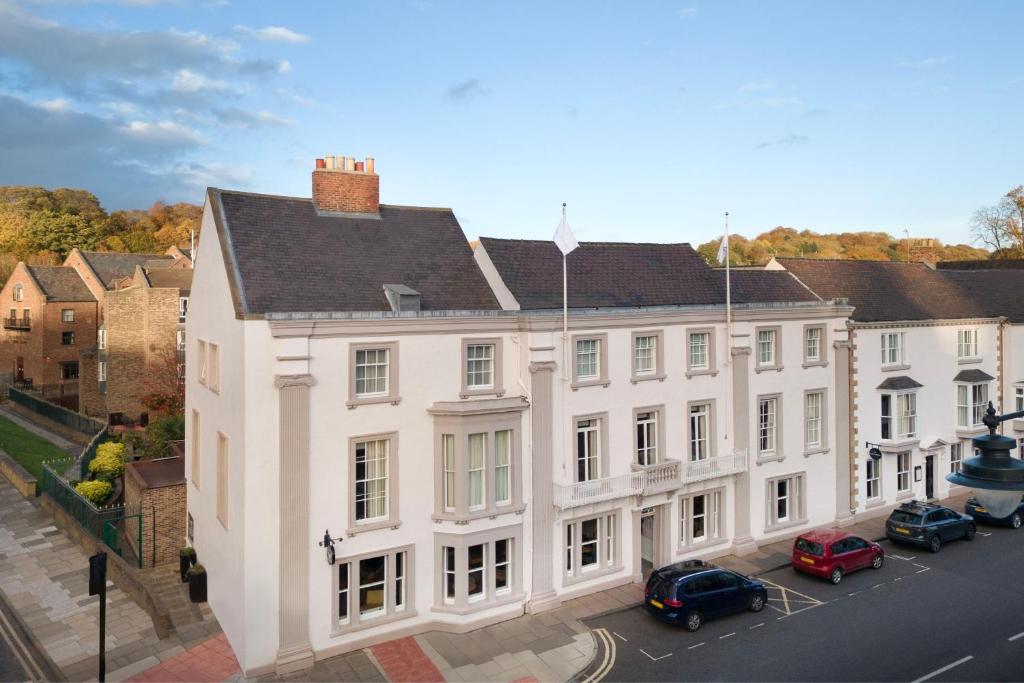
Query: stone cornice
{"points": [[288, 381], [543, 366], [927, 323]]}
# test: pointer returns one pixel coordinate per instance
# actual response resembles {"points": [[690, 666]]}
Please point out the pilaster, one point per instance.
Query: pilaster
{"points": [[743, 542], [843, 432], [542, 594]]}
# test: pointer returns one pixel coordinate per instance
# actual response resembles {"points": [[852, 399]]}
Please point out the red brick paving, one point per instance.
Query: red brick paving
{"points": [[526, 679], [404, 661], [208, 662]]}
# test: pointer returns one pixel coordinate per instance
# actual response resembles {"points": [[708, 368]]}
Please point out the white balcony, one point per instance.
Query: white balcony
{"points": [[665, 476]]}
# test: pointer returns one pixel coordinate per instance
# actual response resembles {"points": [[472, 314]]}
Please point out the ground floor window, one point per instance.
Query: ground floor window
{"points": [[373, 587], [590, 544], [785, 499], [478, 569], [700, 518], [872, 478], [956, 457], [903, 471]]}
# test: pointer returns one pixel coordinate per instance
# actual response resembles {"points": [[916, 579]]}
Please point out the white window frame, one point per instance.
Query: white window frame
{"points": [[479, 471], [398, 590], [101, 338], [605, 548], [814, 432], [381, 499], [503, 466], [967, 343], [894, 349], [213, 367], [767, 347], [390, 478], [903, 467], [223, 478], [182, 308], [645, 354], [448, 482], [1018, 398], [646, 426], [376, 364], [377, 612], [480, 366], [449, 574], [593, 362], [506, 564], [873, 479], [592, 427], [795, 498], [713, 518], [19, 292], [482, 570], [971, 403], [699, 350], [768, 425], [906, 415], [67, 315], [699, 415], [956, 456], [813, 337], [101, 371]]}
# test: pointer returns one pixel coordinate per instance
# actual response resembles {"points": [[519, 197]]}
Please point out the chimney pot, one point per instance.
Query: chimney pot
{"points": [[369, 165], [350, 163], [354, 191], [320, 163], [359, 167], [329, 162], [340, 163]]}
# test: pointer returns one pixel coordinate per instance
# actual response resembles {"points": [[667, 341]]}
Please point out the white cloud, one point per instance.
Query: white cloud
{"points": [[284, 67], [56, 105], [163, 131], [123, 108], [186, 80], [925, 63], [273, 34]]}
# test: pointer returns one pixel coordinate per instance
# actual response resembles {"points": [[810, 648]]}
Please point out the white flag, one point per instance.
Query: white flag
{"points": [[564, 239], [723, 249]]}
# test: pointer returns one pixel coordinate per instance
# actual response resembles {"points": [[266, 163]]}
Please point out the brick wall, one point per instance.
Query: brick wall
{"points": [[90, 400], [346, 191], [163, 518]]}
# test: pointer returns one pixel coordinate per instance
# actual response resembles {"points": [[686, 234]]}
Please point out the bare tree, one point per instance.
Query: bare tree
{"points": [[1001, 227]]}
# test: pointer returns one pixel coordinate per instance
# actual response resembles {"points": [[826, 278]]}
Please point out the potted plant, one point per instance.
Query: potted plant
{"points": [[186, 558], [197, 583]]}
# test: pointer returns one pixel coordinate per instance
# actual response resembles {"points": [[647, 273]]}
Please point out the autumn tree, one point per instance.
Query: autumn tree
{"points": [[1001, 227]]}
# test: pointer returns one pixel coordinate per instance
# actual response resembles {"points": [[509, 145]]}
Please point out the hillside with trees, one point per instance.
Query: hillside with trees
{"points": [[41, 226]]}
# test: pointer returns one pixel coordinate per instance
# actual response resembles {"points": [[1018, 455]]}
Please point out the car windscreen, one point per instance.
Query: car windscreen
{"points": [[903, 517], [661, 588], [809, 547]]}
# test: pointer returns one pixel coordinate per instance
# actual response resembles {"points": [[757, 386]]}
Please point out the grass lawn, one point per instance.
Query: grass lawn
{"points": [[28, 449]]}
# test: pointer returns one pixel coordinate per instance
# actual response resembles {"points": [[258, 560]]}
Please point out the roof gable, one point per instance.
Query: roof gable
{"points": [[111, 265], [60, 283]]}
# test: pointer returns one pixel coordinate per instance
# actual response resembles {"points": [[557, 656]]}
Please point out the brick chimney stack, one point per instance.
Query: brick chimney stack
{"points": [[344, 185]]}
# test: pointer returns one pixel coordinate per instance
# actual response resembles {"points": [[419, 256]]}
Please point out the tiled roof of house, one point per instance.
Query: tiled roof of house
{"points": [[986, 264], [765, 286], [887, 290], [61, 283], [290, 258], [900, 383], [973, 375], [112, 265], [604, 274], [177, 278]]}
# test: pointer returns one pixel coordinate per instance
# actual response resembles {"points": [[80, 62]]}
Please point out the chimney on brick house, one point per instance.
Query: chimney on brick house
{"points": [[343, 185]]}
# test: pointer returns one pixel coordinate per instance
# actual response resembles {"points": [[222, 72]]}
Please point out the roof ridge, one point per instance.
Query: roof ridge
{"points": [[629, 244], [848, 260], [127, 253], [310, 200]]}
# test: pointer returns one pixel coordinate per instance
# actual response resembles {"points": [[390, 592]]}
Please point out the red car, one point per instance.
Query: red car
{"points": [[830, 553]]}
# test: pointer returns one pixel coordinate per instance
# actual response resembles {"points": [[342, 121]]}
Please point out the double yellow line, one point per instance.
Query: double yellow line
{"points": [[605, 639], [20, 650]]}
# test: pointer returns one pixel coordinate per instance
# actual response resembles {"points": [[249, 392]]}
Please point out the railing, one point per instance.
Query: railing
{"points": [[698, 470], [90, 517], [665, 476], [68, 418], [90, 452], [17, 323]]}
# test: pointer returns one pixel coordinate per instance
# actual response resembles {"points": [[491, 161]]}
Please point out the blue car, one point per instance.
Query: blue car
{"points": [[928, 525], [692, 591], [975, 509]]}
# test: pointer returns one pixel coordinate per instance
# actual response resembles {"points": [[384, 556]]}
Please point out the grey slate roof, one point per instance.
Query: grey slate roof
{"points": [[899, 384], [604, 274], [986, 264], [177, 278], [111, 265], [889, 291], [61, 283], [973, 376], [283, 256], [765, 286]]}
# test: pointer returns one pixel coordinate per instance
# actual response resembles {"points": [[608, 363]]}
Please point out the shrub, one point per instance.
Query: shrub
{"points": [[161, 432], [108, 463], [95, 491]]}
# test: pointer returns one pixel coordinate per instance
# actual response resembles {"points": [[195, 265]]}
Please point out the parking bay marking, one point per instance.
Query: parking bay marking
{"points": [[654, 659], [623, 638], [1016, 637], [693, 647], [922, 569], [791, 600], [944, 669], [900, 557]]}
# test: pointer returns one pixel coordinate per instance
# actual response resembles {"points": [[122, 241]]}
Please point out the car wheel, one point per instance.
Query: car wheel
{"points": [[836, 576], [877, 561], [969, 534], [935, 544], [757, 602], [1015, 520], [693, 620]]}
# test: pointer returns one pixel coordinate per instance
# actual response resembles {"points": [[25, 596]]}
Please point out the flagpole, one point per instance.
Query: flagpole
{"points": [[565, 313]]}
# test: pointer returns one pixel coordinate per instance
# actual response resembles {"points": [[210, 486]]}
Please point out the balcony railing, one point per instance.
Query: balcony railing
{"points": [[665, 476], [17, 324]]}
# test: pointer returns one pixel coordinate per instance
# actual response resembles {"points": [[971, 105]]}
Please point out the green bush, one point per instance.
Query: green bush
{"points": [[95, 491], [108, 463], [161, 432]]}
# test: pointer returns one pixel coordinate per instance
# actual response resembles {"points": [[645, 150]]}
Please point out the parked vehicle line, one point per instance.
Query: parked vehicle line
{"points": [[944, 669]]}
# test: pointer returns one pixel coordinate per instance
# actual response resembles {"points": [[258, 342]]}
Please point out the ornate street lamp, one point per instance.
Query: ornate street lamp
{"points": [[996, 477]]}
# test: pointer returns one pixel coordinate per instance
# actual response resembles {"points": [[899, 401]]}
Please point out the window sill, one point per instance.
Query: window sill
{"points": [[969, 432], [372, 526], [699, 373], [874, 502], [784, 525], [768, 368], [816, 451], [895, 368], [584, 576], [371, 622], [635, 379], [774, 457], [696, 547], [898, 445], [590, 383], [466, 518], [479, 605], [815, 364], [470, 393], [967, 361], [356, 402]]}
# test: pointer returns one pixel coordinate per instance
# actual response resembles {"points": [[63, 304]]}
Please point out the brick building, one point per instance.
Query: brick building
{"points": [[49, 314], [156, 488]]}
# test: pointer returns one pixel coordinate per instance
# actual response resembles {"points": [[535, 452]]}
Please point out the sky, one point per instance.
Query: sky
{"points": [[649, 119]]}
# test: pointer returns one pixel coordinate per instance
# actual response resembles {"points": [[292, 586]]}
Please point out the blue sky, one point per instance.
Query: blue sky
{"points": [[649, 118]]}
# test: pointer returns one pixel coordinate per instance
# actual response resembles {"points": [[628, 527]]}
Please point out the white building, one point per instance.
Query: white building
{"points": [[354, 370]]}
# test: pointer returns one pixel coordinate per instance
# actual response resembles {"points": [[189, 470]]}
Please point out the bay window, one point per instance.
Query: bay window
{"points": [[478, 570], [971, 403], [372, 588], [902, 424]]}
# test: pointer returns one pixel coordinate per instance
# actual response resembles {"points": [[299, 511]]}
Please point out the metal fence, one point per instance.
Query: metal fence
{"points": [[68, 418], [90, 517], [90, 452]]}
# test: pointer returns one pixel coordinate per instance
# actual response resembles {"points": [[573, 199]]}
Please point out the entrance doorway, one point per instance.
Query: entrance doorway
{"points": [[19, 369], [929, 477], [649, 525]]}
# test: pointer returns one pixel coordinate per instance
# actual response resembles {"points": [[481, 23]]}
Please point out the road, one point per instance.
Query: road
{"points": [[954, 616], [20, 660]]}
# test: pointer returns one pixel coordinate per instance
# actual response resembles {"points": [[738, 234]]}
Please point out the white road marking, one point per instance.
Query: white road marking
{"points": [[900, 557], [762, 624], [984, 533], [878, 585], [692, 647], [654, 659], [727, 635], [898, 578], [922, 568], [623, 638], [609, 657], [1016, 637], [853, 593], [945, 669]]}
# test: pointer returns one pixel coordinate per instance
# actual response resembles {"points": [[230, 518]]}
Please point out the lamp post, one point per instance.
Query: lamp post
{"points": [[996, 476]]}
